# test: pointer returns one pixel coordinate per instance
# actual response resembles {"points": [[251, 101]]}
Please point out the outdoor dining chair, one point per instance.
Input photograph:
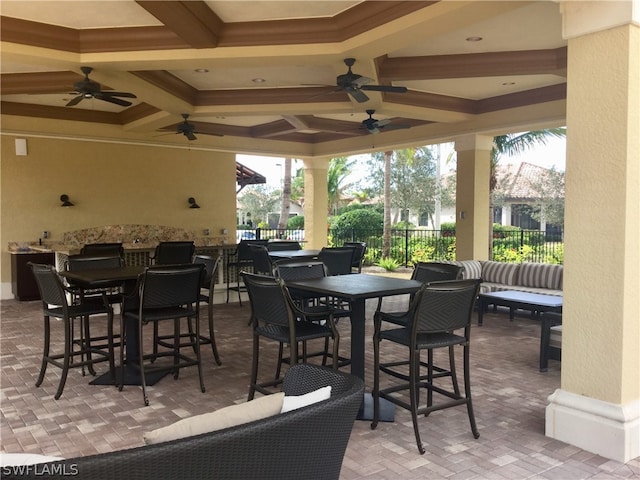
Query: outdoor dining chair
{"points": [[440, 318], [55, 304], [337, 259], [165, 293], [359, 250], [237, 260], [114, 248], [275, 316], [173, 253]]}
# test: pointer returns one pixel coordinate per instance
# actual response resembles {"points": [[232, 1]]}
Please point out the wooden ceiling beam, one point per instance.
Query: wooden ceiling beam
{"points": [[192, 21], [469, 65]]}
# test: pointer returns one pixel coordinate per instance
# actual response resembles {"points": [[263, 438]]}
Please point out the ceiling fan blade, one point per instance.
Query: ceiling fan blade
{"points": [[74, 101], [119, 94], [395, 127], [190, 136], [384, 88], [108, 98], [383, 122], [358, 95]]}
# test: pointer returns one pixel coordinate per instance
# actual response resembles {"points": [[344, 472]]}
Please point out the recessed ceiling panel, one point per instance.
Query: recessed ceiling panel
{"points": [[250, 11], [81, 14], [483, 87]]}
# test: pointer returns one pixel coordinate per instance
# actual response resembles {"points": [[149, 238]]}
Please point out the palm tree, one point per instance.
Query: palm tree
{"points": [[339, 170]]}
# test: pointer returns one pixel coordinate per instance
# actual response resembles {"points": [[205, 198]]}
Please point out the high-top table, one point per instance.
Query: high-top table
{"points": [[293, 254], [126, 276], [355, 289]]}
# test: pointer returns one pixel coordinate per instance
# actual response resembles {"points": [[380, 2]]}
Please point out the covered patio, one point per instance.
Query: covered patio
{"points": [[509, 395]]}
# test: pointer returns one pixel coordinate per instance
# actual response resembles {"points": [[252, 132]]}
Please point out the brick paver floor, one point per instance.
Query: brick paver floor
{"points": [[509, 395]]}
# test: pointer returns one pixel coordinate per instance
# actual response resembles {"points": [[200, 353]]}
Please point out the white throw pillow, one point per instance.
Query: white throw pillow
{"points": [[292, 402], [14, 459], [226, 417]]}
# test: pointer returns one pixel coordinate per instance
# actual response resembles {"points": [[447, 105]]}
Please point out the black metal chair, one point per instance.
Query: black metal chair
{"points": [[166, 292], [103, 249], [55, 304], [275, 316], [424, 272], [261, 261], [439, 310], [207, 284], [207, 287], [82, 262], [237, 260], [173, 253], [337, 259], [291, 271], [360, 248], [282, 245]]}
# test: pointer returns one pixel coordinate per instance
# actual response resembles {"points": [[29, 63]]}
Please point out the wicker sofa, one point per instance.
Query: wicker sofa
{"points": [[525, 277], [308, 443]]}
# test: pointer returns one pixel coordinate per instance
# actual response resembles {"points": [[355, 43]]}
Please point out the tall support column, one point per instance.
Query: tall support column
{"points": [[473, 215], [597, 407], [316, 201]]}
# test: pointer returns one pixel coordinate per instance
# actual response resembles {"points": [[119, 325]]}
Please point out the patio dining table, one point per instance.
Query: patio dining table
{"points": [[356, 288], [306, 254], [126, 277]]}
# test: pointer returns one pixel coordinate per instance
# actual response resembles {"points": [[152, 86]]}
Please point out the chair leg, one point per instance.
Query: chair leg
{"points": [[452, 370], [112, 365], [45, 350], [467, 393], [198, 355], [85, 343], [143, 381], [279, 365], [414, 387], [123, 340], [376, 382], [254, 367], [68, 346], [212, 336], [176, 347]]}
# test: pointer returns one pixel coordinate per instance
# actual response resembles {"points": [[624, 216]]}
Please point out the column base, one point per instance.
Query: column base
{"points": [[606, 429]]}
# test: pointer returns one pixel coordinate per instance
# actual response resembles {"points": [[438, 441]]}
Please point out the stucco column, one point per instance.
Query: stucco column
{"points": [[473, 216], [316, 201], [597, 407]]}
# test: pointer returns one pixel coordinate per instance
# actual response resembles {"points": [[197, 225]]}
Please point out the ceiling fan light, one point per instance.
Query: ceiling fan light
{"points": [[258, 80], [201, 70], [474, 39]]}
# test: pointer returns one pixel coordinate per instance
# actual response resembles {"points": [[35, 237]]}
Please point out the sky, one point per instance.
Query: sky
{"points": [[551, 155]]}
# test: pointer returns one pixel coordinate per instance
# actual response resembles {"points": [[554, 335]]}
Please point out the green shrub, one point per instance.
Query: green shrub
{"points": [[296, 223], [388, 263]]}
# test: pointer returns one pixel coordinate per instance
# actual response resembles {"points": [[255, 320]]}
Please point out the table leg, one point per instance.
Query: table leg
{"points": [[481, 306], [358, 319]]}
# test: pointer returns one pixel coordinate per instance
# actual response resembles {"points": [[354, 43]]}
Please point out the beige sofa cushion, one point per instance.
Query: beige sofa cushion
{"points": [[472, 268], [231, 416], [540, 275], [499, 272]]}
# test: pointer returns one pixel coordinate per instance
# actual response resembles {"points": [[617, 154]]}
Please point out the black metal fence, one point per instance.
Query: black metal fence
{"points": [[409, 246]]}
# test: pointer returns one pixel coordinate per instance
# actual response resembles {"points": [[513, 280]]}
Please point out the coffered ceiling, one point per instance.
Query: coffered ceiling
{"points": [[261, 76]]}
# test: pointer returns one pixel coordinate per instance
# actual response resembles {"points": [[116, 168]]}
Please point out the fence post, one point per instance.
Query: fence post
{"points": [[406, 247], [258, 233]]}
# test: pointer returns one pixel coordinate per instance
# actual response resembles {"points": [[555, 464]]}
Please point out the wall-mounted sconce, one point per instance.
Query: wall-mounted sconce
{"points": [[192, 203], [64, 198]]}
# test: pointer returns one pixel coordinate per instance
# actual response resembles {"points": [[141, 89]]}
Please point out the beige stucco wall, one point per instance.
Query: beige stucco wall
{"points": [[316, 199], [109, 183], [473, 219], [600, 356]]}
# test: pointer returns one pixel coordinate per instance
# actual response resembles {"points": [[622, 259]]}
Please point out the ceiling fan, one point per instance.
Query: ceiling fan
{"points": [[87, 88], [376, 126], [354, 84], [189, 129]]}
